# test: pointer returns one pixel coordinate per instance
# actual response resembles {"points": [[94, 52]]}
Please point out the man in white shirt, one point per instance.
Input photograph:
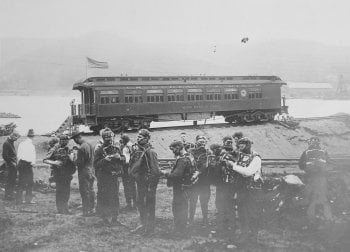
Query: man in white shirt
{"points": [[26, 156], [247, 178]]}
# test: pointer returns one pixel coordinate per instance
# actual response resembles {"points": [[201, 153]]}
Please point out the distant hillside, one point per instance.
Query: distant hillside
{"points": [[47, 64]]}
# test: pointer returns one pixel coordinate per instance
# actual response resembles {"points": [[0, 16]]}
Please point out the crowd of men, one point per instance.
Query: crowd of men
{"points": [[231, 166]]}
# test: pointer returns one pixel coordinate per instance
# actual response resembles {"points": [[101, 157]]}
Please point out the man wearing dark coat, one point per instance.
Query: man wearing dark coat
{"points": [[85, 173], [108, 164], [9, 155], [315, 162], [179, 178], [144, 168], [62, 160], [201, 189]]}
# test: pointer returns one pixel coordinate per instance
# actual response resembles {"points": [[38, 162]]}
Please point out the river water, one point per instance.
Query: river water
{"points": [[45, 113]]}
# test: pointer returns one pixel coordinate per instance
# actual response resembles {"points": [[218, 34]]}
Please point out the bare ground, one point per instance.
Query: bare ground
{"points": [[38, 227]]}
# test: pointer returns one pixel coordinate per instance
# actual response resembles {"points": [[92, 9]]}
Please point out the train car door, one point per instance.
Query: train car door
{"points": [[88, 101]]}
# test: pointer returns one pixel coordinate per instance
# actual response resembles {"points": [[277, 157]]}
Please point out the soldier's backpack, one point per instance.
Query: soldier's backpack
{"points": [[189, 173], [137, 157]]}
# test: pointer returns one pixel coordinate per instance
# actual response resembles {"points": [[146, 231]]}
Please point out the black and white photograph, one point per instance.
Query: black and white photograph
{"points": [[175, 125]]}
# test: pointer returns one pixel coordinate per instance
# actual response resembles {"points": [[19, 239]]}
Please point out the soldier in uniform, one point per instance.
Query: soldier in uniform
{"points": [[248, 173], [108, 164], [129, 182], [179, 179], [9, 155], [225, 188], [314, 162], [61, 159], [201, 188], [85, 173], [216, 175], [145, 170]]}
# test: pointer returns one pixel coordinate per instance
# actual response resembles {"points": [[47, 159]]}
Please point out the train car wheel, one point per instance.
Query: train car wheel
{"points": [[125, 125], [145, 125], [229, 119], [248, 118], [261, 116]]}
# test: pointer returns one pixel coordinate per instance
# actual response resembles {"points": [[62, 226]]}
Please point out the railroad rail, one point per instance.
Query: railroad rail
{"points": [[280, 162], [265, 161]]}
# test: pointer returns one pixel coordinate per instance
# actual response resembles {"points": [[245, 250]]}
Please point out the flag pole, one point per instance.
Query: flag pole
{"points": [[86, 67]]}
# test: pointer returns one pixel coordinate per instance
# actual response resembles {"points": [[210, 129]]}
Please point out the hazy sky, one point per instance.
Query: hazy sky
{"points": [[183, 21]]}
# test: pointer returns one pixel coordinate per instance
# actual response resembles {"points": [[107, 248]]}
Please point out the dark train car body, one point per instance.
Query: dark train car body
{"points": [[134, 102]]}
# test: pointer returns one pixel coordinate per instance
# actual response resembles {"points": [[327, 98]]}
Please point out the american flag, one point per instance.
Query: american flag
{"points": [[96, 64]]}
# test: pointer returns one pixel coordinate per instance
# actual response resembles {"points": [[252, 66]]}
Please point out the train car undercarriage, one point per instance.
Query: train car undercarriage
{"points": [[119, 124]]}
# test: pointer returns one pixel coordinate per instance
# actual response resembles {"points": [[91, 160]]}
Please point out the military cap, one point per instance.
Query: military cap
{"points": [[107, 133], [63, 137], [102, 130], [200, 137], [145, 133], [226, 138], [238, 135], [175, 144], [214, 147], [244, 140]]}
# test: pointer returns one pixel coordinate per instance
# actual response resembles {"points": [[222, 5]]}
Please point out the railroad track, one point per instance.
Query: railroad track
{"points": [[166, 163], [265, 161]]}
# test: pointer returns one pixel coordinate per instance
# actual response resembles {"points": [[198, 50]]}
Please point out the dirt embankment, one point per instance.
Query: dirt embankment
{"points": [[270, 140]]}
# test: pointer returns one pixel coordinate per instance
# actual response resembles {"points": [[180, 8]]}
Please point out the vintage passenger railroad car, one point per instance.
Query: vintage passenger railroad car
{"points": [[136, 101]]}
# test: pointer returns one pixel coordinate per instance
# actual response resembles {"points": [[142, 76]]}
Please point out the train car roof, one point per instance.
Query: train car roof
{"points": [[174, 80]]}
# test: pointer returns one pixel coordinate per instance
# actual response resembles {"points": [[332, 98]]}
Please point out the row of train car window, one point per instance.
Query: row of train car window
{"points": [[157, 98]]}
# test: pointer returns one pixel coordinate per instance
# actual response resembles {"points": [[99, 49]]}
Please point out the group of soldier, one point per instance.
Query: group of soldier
{"points": [[231, 166]]}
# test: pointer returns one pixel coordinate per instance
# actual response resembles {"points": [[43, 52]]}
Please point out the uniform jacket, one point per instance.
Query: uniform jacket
{"points": [[102, 165], [245, 160], [85, 157], [181, 172], [144, 163], [201, 159], [313, 159], [67, 169]]}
